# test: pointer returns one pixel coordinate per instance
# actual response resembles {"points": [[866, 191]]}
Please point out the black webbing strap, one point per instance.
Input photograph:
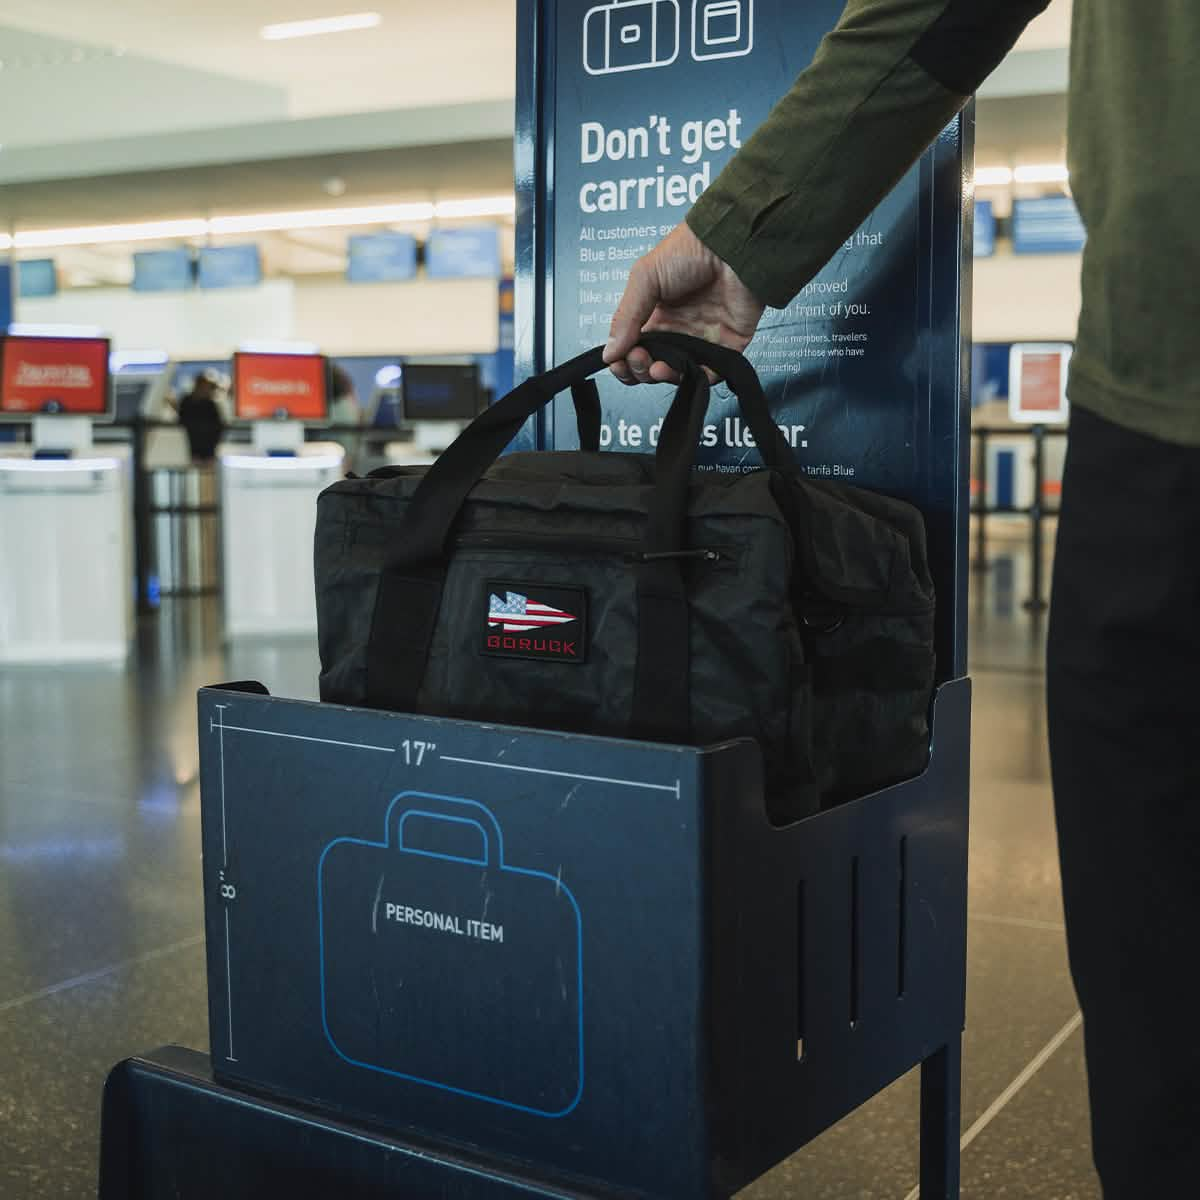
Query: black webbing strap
{"points": [[409, 594], [662, 706], [743, 381], [661, 710], [407, 603], [587, 414]]}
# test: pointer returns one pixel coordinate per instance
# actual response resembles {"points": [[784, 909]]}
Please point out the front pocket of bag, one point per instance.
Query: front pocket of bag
{"points": [[587, 690]]}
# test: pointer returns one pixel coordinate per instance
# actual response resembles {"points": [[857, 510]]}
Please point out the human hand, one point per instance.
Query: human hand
{"points": [[682, 286]]}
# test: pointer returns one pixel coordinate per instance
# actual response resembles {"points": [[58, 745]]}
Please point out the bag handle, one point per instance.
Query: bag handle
{"points": [[435, 504], [587, 414], [410, 586], [448, 810]]}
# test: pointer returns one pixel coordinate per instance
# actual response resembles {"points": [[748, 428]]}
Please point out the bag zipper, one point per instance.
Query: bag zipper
{"points": [[628, 548]]}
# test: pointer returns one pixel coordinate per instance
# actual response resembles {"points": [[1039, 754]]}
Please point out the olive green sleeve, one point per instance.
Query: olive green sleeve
{"points": [[883, 84]]}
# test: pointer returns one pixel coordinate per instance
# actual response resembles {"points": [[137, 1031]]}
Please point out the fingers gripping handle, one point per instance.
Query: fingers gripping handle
{"points": [[678, 349]]}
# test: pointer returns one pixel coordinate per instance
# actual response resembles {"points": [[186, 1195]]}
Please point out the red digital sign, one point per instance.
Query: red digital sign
{"points": [[280, 386], [1037, 382], [54, 375], [1041, 382]]}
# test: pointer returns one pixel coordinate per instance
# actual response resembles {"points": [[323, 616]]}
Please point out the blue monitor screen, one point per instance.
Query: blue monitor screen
{"points": [[230, 266], [162, 270], [381, 257], [463, 253], [441, 392], [37, 277], [985, 229], [1047, 225]]}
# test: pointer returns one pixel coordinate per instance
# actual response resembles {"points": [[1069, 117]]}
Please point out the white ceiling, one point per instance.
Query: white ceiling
{"points": [[205, 57], [145, 84], [423, 54]]}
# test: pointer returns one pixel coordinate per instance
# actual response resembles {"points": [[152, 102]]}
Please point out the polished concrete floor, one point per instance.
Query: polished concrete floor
{"points": [[101, 943]]}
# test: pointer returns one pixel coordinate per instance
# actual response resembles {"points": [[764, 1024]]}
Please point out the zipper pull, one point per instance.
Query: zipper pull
{"points": [[660, 555]]}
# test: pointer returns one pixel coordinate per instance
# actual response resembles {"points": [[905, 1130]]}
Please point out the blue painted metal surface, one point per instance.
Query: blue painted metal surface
{"points": [[741, 987], [171, 1131]]}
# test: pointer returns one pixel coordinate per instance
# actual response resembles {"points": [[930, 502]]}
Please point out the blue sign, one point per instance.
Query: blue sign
{"points": [[454, 951], [463, 253], [985, 229], [163, 270], [7, 433], [989, 372], [644, 106], [381, 257], [37, 277], [230, 266], [1047, 225], [502, 384]]}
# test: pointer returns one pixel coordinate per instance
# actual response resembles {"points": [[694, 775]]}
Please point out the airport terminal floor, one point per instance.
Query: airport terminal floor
{"points": [[102, 944]]}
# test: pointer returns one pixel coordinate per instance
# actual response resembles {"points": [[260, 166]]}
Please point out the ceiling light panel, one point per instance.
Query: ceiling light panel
{"points": [[322, 218], [198, 228], [95, 235], [487, 206], [993, 176], [320, 26], [1042, 173]]}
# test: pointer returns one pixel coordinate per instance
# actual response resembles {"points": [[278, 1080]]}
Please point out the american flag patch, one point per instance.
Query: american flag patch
{"points": [[516, 613], [534, 621]]}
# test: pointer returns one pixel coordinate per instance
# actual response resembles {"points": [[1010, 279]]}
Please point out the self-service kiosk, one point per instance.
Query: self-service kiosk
{"points": [[66, 572], [269, 492], [436, 403]]}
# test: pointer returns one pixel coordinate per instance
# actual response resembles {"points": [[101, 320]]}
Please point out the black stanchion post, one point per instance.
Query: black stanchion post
{"points": [[940, 1116], [1036, 602], [981, 506], [141, 516]]}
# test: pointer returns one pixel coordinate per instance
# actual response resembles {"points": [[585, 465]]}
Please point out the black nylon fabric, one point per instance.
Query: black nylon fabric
{"points": [[765, 662], [806, 611]]}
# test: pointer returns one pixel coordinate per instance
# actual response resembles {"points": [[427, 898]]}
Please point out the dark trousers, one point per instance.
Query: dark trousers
{"points": [[1123, 684]]}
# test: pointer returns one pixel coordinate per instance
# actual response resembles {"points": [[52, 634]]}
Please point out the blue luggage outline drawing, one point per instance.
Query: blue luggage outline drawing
{"points": [[493, 857]]}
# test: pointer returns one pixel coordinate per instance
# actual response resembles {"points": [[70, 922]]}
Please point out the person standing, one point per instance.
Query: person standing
{"points": [[201, 419], [1124, 639]]}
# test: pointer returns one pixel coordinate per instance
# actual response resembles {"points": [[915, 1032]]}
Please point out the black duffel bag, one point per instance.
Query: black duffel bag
{"points": [[630, 595]]}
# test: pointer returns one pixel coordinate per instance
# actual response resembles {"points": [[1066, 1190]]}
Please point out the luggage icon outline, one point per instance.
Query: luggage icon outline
{"points": [[722, 29], [457, 811], [644, 35]]}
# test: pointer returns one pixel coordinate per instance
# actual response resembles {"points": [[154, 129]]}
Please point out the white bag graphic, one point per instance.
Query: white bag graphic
{"points": [[722, 28], [630, 35]]}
